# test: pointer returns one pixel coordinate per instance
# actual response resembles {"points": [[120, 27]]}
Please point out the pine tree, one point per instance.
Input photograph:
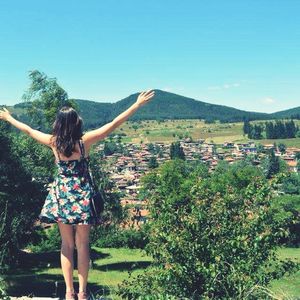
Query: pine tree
{"points": [[176, 151]]}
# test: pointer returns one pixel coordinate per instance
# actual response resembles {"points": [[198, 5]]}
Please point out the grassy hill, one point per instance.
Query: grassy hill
{"points": [[167, 105], [287, 113], [163, 106]]}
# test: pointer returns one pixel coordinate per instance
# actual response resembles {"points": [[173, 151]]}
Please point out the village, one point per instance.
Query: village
{"points": [[126, 171]]}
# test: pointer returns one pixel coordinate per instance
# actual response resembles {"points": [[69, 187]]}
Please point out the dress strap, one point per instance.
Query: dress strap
{"points": [[81, 146], [58, 155]]}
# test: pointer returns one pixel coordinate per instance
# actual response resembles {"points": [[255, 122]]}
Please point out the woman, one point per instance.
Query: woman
{"points": [[68, 201]]}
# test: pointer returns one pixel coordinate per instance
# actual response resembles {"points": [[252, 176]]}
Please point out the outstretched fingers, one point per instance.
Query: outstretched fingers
{"points": [[149, 95]]}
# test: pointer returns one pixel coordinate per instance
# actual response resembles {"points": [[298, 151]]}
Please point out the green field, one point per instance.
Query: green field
{"points": [[111, 266], [41, 271], [154, 131], [289, 286]]}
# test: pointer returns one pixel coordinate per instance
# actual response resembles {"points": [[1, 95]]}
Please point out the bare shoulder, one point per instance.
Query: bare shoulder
{"points": [[95, 135], [88, 139]]}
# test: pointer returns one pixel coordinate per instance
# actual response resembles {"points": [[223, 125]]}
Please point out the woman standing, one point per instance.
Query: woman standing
{"points": [[68, 201]]}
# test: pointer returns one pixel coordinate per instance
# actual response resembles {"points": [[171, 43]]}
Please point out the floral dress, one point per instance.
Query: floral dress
{"points": [[69, 197]]}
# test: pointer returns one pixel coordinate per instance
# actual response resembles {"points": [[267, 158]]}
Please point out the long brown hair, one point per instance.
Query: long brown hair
{"points": [[67, 130]]}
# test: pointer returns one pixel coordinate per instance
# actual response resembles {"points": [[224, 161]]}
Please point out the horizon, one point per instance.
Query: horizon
{"points": [[165, 92], [237, 54]]}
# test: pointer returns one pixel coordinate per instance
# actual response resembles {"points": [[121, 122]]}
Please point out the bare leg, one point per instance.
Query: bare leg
{"points": [[66, 254], [82, 239]]}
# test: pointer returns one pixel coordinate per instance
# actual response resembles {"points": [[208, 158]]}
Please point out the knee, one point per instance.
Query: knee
{"points": [[82, 243], [67, 246]]}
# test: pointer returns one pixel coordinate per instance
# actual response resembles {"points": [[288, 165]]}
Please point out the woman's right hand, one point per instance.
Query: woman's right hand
{"points": [[144, 97], [4, 114]]}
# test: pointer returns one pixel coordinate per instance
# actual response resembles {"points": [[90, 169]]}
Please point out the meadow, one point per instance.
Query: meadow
{"points": [[41, 274], [151, 131]]}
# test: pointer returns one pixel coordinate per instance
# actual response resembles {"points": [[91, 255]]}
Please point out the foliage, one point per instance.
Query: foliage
{"points": [[255, 132], [176, 151], [286, 210], [281, 148], [115, 237], [281, 130], [152, 162], [210, 238], [44, 240], [270, 164], [19, 201], [46, 97], [277, 130], [3, 293], [113, 211], [291, 184], [35, 157], [154, 149]]}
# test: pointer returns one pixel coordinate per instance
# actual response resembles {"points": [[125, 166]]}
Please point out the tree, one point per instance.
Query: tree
{"points": [[270, 130], [246, 126], [270, 164], [20, 202], [176, 151], [152, 162], [113, 211], [281, 148], [207, 243], [255, 132], [291, 184], [290, 129], [287, 208], [110, 148], [46, 97]]}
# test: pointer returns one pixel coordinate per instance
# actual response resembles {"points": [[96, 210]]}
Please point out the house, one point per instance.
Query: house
{"points": [[292, 165]]}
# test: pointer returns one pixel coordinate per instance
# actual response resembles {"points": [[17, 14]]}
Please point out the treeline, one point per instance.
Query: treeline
{"points": [[273, 130], [164, 106]]}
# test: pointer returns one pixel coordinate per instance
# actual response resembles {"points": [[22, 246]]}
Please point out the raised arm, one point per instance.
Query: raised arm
{"points": [[96, 135], [41, 137]]}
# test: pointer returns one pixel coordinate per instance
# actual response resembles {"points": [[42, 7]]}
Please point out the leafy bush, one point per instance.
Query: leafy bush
{"points": [[286, 210], [208, 242], [19, 196], [291, 184], [45, 240], [3, 294], [117, 238]]}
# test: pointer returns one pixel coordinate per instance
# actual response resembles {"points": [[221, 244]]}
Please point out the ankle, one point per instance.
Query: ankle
{"points": [[70, 290]]}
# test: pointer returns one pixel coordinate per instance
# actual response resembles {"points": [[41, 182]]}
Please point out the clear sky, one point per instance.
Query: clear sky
{"points": [[239, 53]]}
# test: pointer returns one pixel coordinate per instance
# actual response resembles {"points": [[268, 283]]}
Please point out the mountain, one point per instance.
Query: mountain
{"points": [[164, 105], [288, 113]]}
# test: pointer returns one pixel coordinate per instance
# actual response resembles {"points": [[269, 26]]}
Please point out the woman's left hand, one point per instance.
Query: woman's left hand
{"points": [[144, 97], [4, 114]]}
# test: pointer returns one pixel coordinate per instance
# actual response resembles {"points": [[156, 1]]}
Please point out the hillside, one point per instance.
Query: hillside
{"points": [[167, 105], [287, 113], [164, 105]]}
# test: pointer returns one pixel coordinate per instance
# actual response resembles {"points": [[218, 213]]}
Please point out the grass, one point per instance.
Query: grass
{"points": [[40, 271], [217, 132], [289, 285]]}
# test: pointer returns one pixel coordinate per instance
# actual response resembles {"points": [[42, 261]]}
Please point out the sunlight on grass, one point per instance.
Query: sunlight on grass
{"points": [[288, 285]]}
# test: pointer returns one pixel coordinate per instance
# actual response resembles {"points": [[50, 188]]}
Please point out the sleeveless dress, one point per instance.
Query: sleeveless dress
{"points": [[69, 197]]}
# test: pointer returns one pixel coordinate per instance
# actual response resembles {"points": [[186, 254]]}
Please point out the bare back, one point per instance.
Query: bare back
{"points": [[75, 155]]}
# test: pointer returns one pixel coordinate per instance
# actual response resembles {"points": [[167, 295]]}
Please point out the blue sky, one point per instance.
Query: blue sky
{"points": [[239, 53]]}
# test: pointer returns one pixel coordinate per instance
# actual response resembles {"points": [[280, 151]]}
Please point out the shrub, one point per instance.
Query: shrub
{"points": [[286, 210], [208, 243], [19, 196], [45, 240], [117, 238]]}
